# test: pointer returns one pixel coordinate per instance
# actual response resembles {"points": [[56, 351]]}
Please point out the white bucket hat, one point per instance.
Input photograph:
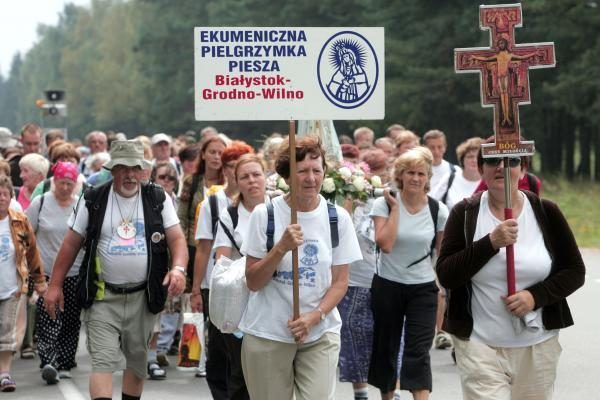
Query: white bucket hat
{"points": [[129, 153], [7, 139]]}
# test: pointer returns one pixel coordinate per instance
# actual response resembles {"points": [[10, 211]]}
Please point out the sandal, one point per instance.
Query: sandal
{"points": [[155, 372], [27, 353], [7, 384]]}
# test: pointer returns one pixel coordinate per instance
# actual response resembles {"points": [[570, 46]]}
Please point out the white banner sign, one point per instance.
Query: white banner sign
{"points": [[289, 73]]}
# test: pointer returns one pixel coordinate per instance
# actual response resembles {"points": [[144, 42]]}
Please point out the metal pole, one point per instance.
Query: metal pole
{"points": [[508, 214], [294, 217]]}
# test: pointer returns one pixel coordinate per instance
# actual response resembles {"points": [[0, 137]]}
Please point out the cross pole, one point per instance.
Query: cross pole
{"points": [[503, 68]]}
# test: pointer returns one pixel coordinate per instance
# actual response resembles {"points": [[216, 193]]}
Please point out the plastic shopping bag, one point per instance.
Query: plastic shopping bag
{"points": [[190, 344], [228, 294]]}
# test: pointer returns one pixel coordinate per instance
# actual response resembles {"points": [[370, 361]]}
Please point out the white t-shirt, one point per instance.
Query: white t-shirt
{"points": [[240, 233], [122, 260], [9, 284], [413, 241], [439, 180], [361, 271], [51, 226], [14, 205], [492, 323], [204, 230], [460, 189], [270, 308]]}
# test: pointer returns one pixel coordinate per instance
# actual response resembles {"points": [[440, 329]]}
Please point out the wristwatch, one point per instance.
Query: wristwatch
{"points": [[180, 269], [323, 315]]}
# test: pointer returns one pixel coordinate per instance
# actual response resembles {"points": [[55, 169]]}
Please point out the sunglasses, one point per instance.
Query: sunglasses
{"points": [[168, 177], [494, 162]]}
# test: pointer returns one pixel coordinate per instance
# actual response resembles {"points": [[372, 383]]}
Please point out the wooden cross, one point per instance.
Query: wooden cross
{"points": [[504, 73]]}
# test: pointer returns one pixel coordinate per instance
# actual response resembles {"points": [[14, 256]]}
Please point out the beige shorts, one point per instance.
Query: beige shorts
{"points": [[119, 329], [13, 316]]}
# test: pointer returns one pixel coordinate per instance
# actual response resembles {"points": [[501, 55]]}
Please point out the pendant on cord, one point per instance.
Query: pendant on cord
{"points": [[126, 230]]}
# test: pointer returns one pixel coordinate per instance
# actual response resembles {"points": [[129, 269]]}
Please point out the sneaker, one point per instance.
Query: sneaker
{"points": [[65, 374], [155, 372], [442, 341], [50, 374], [162, 360], [201, 374], [397, 393]]}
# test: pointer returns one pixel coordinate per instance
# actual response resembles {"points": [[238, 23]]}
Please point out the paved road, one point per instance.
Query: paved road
{"points": [[578, 373]]}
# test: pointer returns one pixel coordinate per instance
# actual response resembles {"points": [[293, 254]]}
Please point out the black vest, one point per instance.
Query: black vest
{"points": [[89, 287]]}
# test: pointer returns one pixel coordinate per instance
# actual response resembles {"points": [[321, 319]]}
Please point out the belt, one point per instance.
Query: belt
{"points": [[124, 289]]}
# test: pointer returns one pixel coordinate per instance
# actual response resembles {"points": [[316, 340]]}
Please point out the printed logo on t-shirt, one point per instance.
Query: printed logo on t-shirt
{"points": [[311, 252], [4, 247], [135, 246], [306, 271], [306, 277]]}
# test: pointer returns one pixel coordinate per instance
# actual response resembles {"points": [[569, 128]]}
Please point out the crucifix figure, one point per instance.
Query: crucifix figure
{"points": [[504, 70]]}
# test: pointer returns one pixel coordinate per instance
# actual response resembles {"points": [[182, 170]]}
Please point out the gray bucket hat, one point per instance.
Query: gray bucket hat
{"points": [[129, 153]]}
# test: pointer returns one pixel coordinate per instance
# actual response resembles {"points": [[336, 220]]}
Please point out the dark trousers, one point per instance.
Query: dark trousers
{"points": [[217, 363], [392, 302], [236, 384]]}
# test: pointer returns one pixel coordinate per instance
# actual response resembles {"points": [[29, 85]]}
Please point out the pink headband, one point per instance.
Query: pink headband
{"points": [[65, 170]]}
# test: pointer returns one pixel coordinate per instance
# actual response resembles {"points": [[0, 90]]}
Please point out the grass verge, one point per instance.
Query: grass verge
{"points": [[580, 203]]}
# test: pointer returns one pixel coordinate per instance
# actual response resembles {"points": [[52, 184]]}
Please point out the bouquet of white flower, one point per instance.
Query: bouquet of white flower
{"points": [[344, 181], [349, 181]]}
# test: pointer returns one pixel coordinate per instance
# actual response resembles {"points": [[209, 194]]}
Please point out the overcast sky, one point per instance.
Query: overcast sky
{"points": [[18, 25]]}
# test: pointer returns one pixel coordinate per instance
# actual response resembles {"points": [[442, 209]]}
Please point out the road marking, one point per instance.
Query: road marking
{"points": [[70, 391]]}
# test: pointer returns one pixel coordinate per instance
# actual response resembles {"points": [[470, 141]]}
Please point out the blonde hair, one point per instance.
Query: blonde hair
{"points": [[416, 157], [471, 144], [406, 136]]}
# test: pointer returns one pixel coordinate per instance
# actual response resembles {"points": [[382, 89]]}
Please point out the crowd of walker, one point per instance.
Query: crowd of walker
{"points": [[123, 235]]}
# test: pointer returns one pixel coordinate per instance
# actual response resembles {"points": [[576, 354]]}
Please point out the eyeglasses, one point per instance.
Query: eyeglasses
{"points": [[494, 162], [167, 177]]}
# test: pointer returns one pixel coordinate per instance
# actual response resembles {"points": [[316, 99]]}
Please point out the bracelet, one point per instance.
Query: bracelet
{"points": [[180, 269]]}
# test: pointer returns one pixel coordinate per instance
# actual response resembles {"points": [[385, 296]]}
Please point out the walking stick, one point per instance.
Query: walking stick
{"points": [[294, 218]]}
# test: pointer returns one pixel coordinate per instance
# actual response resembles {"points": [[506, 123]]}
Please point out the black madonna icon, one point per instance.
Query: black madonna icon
{"points": [[347, 69]]}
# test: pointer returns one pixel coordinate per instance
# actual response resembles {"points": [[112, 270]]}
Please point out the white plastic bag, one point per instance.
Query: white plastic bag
{"points": [[191, 343], [228, 294]]}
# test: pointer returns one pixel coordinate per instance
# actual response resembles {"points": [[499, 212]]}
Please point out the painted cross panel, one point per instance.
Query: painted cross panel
{"points": [[504, 73]]}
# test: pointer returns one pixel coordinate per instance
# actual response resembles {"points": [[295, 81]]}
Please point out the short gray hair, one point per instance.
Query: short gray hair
{"points": [[36, 163]]}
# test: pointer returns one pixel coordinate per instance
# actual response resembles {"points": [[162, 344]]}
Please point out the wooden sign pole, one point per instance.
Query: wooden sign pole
{"points": [[504, 73], [294, 217]]}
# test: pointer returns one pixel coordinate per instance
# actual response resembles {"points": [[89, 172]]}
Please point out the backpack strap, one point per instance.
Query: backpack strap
{"points": [[434, 209], [270, 226], [233, 213], [333, 225], [214, 213], [40, 210], [46, 185], [450, 181]]}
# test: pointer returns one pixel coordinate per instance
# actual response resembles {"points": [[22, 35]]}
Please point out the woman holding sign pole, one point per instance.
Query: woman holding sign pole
{"points": [[282, 357], [507, 346]]}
